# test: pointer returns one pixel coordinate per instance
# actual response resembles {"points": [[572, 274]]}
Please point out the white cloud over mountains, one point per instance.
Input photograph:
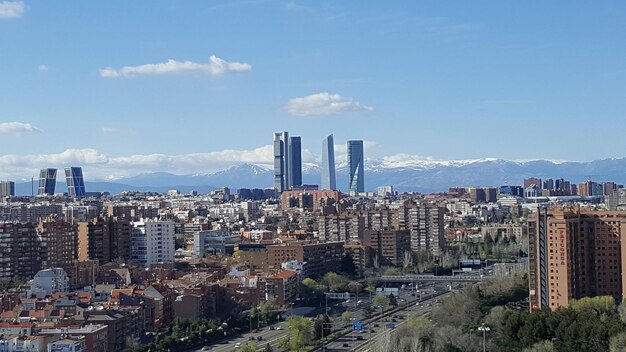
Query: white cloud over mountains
{"points": [[17, 128], [11, 9], [324, 104], [215, 67], [99, 166]]}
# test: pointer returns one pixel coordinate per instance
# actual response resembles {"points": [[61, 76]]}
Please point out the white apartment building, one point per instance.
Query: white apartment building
{"points": [[152, 242]]}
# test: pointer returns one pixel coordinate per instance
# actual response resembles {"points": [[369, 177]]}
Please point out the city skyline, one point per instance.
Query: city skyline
{"points": [[471, 69]]}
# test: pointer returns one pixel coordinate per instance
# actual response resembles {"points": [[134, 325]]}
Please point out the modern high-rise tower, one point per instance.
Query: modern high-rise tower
{"points": [[75, 182], [356, 167], [295, 162], [281, 161], [328, 163], [47, 182]]}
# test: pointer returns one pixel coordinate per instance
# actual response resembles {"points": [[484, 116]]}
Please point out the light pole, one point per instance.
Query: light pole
{"points": [[484, 328], [324, 341]]}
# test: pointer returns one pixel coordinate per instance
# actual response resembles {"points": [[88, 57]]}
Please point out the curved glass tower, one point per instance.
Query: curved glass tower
{"points": [[328, 164], [356, 167]]}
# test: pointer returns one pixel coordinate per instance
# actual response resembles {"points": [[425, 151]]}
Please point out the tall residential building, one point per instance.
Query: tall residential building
{"points": [[58, 244], [356, 167], [75, 182], [47, 182], [575, 253], [7, 188], [426, 224], [152, 242], [328, 164], [281, 161], [19, 251], [388, 246], [295, 162], [104, 239]]}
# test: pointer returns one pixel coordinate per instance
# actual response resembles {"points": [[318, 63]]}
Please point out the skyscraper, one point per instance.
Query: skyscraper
{"points": [[295, 162], [75, 182], [7, 188], [281, 161], [355, 163], [328, 164], [47, 182]]}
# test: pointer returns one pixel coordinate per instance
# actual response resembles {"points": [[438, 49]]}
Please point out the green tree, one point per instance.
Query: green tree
{"points": [[382, 301], [249, 347], [283, 344], [392, 300], [346, 316], [300, 332], [334, 282], [268, 348], [543, 346], [618, 342], [321, 326]]}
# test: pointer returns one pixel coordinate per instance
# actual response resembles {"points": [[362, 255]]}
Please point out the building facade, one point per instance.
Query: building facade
{"points": [[329, 181], [356, 167], [281, 161], [47, 182], [152, 242], [75, 182], [575, 253]]}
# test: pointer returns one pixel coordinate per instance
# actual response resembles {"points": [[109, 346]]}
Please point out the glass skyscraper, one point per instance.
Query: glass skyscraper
{"points": [[281, 161], [295, 162], [47, 182], [356, 167], [75, 182], [328, 164]]}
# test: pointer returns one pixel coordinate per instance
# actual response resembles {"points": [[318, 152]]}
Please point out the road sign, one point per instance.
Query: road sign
{"points": [[333, 295], [357, 325], [391, 326]]}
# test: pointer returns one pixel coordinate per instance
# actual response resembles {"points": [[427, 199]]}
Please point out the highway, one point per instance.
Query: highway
{"points": [[357, 340], [271, 334]]}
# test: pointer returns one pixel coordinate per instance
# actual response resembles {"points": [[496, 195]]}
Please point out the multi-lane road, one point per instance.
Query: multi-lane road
{"points": [[376, 327]]}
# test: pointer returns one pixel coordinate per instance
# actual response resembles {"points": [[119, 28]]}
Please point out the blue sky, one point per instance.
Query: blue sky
{"points": [[438, 79]]}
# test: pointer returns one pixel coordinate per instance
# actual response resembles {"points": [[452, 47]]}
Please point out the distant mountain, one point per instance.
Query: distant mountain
{"points": [[405, 174]]}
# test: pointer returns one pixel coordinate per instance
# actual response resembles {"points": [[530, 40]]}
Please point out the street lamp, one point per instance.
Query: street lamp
{"points": [[484, 328]]}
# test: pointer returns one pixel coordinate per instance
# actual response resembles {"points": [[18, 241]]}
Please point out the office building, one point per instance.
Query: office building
{"points": [[575, 253], [295, 162], [152, 242], [281, 161], [47, 182], [548, 183], [75, 182], [356, 167], [7, 188], [214, 242], [328, 164]]}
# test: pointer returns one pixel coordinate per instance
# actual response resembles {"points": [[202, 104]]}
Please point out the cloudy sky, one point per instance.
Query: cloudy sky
{"points": [[122, 87]]}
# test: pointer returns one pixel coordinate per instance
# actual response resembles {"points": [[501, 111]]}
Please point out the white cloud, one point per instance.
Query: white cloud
{"points": [[42, 68], [99, 166], [324, 104], [11, 9], [17, 128], [215, 67]]}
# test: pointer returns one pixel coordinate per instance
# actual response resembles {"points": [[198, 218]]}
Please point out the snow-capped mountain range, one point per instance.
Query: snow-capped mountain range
{"points": [[402, 172]]}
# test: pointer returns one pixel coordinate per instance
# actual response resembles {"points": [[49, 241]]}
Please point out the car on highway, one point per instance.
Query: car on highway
{"points": [[238, 344], [250, 338], [259, 338], [346, 345], [360, 338], [205, 348]]}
